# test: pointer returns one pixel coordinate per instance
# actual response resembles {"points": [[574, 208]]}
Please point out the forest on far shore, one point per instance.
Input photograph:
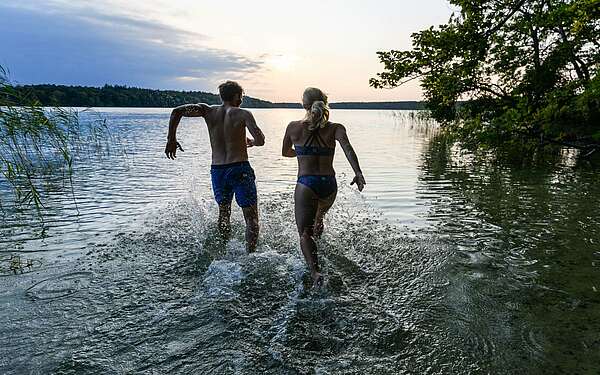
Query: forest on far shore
{"points": [[123, 96]]}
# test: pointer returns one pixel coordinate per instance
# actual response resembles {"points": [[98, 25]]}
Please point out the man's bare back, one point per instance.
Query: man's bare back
{"points": [[227, 126], [231, 174]]}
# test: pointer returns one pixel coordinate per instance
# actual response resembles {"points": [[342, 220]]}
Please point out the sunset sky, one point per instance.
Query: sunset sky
{"points": [[273, 48]]}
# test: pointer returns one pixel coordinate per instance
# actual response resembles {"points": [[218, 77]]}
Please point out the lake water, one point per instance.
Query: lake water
{"points": [[445, 264]]}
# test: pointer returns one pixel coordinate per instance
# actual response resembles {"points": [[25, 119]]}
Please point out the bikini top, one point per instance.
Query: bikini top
{"points": [[313, 146]]}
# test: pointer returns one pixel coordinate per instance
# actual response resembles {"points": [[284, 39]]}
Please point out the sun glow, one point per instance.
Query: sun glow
{"points": [[194, 45], [283, 63]]}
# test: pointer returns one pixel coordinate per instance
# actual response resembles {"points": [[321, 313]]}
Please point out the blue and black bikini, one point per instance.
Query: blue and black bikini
{"points": [[314, 146], [322, 185]]}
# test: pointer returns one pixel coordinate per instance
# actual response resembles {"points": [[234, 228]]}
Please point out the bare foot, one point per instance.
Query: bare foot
{"points": [[224, 230], [318, 280]]}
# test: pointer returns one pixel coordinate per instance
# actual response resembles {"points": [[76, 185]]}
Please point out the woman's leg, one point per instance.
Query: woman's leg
{"points": [[306, 204], [322, 208]]}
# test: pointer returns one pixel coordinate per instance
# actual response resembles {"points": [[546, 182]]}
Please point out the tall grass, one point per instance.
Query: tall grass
{"points": [[37, 143]]}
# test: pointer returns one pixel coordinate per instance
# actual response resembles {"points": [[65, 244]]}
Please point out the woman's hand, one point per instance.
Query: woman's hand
{"points": [[249, 142], [360, 182], [171, 149]]}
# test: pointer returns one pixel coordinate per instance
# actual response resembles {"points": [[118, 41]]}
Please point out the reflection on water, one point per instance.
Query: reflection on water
{"points": [[446, 263], [524, 275]]}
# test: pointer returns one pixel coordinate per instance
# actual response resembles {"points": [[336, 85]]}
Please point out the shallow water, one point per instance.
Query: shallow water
{"points": [[444, 264]]}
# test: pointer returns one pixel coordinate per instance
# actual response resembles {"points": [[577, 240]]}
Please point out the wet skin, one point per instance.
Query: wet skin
{"points": [[309, 208], [227, 124]]}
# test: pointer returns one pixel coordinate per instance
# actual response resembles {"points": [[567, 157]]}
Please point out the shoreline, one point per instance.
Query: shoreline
{"points": [[333, 107]]}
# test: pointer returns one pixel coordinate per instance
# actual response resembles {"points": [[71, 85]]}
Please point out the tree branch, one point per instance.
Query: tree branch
{"points": [[505, 19]]}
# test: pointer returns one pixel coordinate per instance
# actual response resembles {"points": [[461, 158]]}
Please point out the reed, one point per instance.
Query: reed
{"points": [[38, 143]]}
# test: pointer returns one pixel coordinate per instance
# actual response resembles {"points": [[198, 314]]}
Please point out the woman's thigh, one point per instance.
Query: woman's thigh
{"points": [[306, 204], [325, 204]]}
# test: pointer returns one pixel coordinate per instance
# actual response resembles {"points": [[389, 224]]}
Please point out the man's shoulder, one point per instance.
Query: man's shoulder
{"points": [[238, 112], [199, 108]]}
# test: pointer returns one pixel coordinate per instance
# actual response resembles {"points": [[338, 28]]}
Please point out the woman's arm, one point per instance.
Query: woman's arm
{"points": [[342, 137], [286, 149]]}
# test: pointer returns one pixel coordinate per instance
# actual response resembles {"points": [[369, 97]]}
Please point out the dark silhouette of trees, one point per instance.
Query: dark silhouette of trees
{"points": [[523, 69]]}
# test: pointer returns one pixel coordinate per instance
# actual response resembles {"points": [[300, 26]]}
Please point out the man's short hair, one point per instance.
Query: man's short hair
{"points": [[228, 90]]}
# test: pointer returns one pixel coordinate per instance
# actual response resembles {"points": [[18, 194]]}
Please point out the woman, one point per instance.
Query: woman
{"points": [[313, 140]]}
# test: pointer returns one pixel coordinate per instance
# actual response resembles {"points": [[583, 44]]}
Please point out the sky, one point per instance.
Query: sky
{"points": [[273, 48]]}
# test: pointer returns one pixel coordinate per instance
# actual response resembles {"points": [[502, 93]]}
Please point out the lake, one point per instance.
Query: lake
{"points": [[445, 263]]}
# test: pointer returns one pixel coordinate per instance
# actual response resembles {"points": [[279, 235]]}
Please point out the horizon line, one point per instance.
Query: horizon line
{"points": [[204, 92]]}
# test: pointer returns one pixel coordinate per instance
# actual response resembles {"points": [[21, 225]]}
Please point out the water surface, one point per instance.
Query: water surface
{"points": [[444, 264]]}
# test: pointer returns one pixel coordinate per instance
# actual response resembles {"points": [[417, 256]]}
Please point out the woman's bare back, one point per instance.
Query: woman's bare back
{"points": [[314, 164]]}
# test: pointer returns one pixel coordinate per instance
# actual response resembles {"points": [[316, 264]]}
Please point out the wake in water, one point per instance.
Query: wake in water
{"points": [[174, 296]]}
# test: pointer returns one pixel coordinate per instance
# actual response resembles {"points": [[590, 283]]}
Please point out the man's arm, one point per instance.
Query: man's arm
{"points": [[187, 110], [342, 137], [286, 149], [257, 134]]}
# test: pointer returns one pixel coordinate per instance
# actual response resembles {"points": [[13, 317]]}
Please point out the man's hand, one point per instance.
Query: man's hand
{"points": [[249, 142], [359, 180], [171, 149]]}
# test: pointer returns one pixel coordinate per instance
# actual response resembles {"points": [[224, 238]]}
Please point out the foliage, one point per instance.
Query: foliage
{"points": [[504, 70], [38, 142], [122, 96]]}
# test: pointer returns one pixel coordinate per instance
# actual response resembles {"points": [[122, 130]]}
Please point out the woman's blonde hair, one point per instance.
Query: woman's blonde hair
{"points": [[317, 110]]}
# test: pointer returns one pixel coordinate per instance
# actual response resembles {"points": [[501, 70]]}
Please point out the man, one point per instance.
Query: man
{"points": [[230, 171]]}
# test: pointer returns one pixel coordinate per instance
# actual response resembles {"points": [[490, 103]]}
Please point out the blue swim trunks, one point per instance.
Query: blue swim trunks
{"points": [[235, 178]]}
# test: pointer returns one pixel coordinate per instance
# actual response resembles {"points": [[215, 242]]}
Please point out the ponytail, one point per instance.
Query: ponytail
{"points": [[319, 115], [317, 110]]}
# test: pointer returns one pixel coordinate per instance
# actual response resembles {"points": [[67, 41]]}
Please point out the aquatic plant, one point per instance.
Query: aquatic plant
{"points": [[37, 142]]}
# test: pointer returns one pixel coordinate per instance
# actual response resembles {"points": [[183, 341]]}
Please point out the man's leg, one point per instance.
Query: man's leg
{"points": [[252, 228], [224, 218], [223, 195], [246, 198]]}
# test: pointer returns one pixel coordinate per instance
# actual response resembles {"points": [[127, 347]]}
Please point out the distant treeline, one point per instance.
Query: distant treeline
{"points": [[123, 96], [361, 105]]}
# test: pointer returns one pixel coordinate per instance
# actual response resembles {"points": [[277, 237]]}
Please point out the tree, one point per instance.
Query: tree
{"points": [[506, 68], [122, 96]]}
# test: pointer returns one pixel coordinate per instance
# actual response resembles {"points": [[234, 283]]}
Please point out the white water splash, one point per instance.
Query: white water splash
{"points": [[222, 278]]}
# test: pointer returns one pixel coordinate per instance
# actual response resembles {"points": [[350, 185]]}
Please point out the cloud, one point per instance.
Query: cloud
{"points": [[86, 47]]}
